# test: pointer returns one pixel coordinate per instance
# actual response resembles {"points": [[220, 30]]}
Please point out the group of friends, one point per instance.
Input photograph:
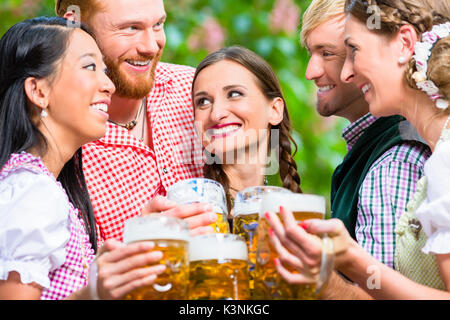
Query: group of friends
{"points": [[95, 129]]}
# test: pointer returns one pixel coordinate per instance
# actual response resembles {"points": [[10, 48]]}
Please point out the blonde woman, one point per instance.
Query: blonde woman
{"points": [[402, 68]]}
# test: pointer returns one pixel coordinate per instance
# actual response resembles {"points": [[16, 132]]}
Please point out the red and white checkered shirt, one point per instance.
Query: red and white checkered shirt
{"points": [[123, 174]]}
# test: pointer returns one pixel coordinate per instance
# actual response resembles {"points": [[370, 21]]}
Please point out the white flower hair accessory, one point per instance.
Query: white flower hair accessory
{"points": [[422, 53]]}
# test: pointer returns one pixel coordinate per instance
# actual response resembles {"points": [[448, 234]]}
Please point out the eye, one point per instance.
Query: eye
{"points": [[234, 94], [327, 54], [352, 50], [159, 25], [131, 28], [202, 102], [91, 67]]}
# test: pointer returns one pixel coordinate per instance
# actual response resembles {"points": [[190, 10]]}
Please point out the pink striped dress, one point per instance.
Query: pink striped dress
{"points": [[72, 274]]}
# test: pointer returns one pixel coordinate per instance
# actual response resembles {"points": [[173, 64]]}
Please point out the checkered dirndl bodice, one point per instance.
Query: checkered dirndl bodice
{"points": [[72, 274]]}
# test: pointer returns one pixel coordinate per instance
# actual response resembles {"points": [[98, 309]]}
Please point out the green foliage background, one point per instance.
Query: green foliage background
{"points": [[247, 23]]}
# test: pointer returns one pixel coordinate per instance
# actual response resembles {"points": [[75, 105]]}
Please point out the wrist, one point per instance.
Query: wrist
{"points": [[345, 261]]}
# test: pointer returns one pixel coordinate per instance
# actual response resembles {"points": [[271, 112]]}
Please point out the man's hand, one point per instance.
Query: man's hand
{"points": [[199, 216]]}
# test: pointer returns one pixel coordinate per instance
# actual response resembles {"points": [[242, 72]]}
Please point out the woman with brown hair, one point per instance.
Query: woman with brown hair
{"points": [[241, 117], [403, 67]]}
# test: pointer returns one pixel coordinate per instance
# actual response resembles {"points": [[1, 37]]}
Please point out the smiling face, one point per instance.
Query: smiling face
{"points": [[131, 36], [372, 65], [325, 44], [80, 93], [231, 111]]}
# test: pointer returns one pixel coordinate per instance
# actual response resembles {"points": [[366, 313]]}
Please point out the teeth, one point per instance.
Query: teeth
{"points": [[366, 88], [139, 63], [326, 88], [224, 130], [100, 106]]}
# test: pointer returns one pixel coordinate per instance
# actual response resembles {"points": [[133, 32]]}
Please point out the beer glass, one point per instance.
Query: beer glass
{"points": [[218, 268], [245, 219], [268, 283], [203, 190], [171, 237]]}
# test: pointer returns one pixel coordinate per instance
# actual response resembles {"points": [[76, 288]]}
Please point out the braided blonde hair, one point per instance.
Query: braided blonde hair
{"points": [[422, 15]]}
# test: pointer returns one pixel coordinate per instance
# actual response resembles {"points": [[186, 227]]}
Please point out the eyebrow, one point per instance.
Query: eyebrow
{"points": [[346, 40], [135, 21], [226, 88], [91, 54], [324, 45], [232, 86]]}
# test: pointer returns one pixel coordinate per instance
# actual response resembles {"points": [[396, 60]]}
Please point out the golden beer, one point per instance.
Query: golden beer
{"points": [[205, 191], [218, 268], [171, 237], [268, 283], [246, 217], [221, 225]]}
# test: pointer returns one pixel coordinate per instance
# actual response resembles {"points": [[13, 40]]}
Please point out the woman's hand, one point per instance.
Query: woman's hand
{"points": [[300, 247], [296, 248], [121, 268], [199, 216]]}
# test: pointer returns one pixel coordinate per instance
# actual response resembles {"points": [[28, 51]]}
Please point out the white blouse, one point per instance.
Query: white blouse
{"points": [[34, 226], [434, 212]]}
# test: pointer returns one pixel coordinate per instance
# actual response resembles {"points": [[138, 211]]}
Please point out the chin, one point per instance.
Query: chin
{"points": [[98, 134], [379, 111]]}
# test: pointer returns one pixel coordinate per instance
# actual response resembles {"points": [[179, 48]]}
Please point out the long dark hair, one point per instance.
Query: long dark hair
{"points": [[270, 87], [34, 48]]}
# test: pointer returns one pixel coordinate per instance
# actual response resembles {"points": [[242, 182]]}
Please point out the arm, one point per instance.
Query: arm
{"points": [[339, 288], [375, 278], [383, 197], [13, 289]]}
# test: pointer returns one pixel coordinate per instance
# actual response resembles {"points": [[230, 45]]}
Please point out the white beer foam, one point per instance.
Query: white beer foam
{"points": [[154, 227], [294, 202], [216, 247], [248, 201]]}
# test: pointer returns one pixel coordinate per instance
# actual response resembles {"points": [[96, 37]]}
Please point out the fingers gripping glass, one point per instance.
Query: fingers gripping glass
{"points": [[204, 191]]}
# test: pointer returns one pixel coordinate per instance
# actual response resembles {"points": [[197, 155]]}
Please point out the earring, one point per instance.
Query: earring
{"points": [[402, 60], [44, 113]]}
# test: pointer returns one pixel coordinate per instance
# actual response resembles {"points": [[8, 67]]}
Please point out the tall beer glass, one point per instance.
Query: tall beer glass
{"points": [[268, 283], [203, 190], [218, 268], [171, 237], [245, 220]]}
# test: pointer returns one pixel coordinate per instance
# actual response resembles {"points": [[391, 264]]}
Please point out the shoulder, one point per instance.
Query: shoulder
{"points": [[175, 72], [438, 166], [23, 192], [407, 153], [34, 226]]}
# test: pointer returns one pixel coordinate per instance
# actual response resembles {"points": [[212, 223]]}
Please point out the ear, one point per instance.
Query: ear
{"points": [[407, 37], [37, 91], [73, 14], [276, 111]]}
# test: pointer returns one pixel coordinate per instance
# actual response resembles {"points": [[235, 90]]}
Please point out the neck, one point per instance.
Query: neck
{"points": [[422, 113], [243, 176], [123, 110], [357, 108], [59, 150]]}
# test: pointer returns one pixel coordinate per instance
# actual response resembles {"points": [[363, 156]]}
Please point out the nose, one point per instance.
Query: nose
{"points": [[107, 86], [314, 69], [151, 42], [218, 112], [347, 73]]}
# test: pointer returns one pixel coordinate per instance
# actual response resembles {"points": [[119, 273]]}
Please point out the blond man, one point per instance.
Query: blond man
{"points": [[372, 186]]}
